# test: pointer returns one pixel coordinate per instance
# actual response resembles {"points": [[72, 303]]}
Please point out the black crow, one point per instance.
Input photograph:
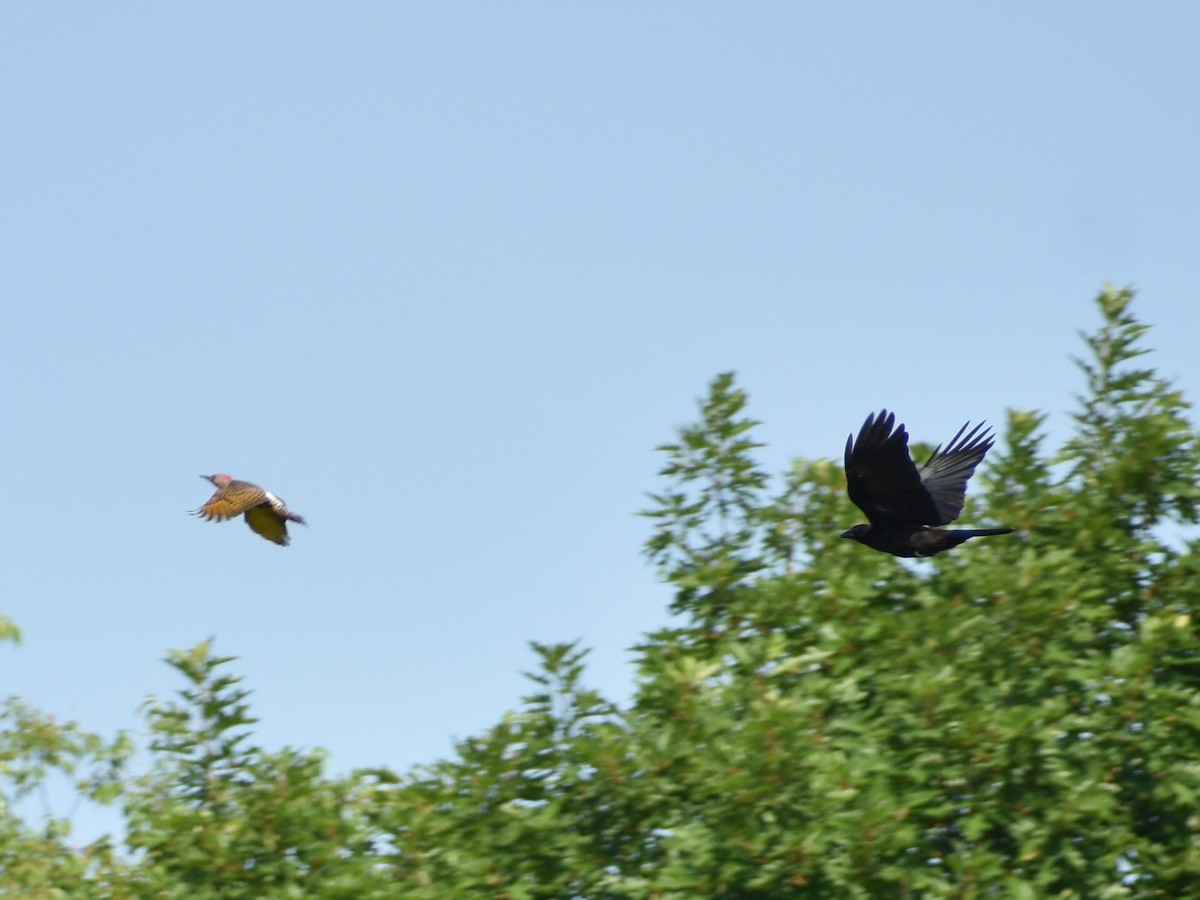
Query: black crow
{"points": [[900, 502]]}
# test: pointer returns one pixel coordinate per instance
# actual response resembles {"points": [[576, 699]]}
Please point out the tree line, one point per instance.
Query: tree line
{"points": [[1019, 719]]}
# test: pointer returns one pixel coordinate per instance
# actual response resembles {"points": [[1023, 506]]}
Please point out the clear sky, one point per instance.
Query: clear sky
{"points": [[441, 275]]}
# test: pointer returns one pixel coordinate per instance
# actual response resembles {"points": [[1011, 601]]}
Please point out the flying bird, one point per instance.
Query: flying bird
{"points": [[265, 513], [903, 503]]}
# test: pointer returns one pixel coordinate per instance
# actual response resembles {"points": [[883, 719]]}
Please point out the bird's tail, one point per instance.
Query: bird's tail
{"points": [[983, 532]]}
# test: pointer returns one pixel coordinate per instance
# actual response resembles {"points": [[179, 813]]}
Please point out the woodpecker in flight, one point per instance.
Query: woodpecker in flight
{"points": [[265, 513]]}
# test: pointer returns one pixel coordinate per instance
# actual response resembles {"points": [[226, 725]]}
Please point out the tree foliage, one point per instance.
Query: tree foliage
{"points": [[1019, 719]]}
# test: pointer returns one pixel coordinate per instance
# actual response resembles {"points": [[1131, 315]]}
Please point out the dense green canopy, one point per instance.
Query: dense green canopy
{"points": [[1014, 719]]}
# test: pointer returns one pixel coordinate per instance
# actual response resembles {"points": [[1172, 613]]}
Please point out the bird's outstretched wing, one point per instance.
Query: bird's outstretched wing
{"points": [[266, 521], [882, 479], [231, 501], [945, 475]]}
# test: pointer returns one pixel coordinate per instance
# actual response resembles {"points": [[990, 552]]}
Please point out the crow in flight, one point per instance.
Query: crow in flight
{"points": [[901, 502]]}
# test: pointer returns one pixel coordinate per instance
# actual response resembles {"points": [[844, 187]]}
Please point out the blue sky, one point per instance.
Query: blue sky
{"points": [[442, 275]]}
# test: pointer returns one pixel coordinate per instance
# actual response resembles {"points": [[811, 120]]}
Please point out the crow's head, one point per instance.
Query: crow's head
{"points": [[857, 533]]}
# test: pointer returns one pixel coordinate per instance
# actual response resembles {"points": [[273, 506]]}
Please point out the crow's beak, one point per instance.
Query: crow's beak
{"points": [[848, 534]]}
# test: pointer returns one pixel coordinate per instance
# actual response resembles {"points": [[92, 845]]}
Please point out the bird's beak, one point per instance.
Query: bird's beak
{"points": [[847, 534], [206, 477]]}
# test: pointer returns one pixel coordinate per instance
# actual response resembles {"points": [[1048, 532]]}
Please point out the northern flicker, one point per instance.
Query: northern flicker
{"points": [[265, 513]]}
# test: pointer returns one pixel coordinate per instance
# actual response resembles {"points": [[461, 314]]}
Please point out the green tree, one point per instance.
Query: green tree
{"points": [[217, 817], [1020, 717], [39, 861], [1015, 719]]}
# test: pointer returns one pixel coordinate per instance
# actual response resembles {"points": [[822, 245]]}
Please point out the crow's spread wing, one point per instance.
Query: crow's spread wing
{"points": [[882, 479], [945, 475]]}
